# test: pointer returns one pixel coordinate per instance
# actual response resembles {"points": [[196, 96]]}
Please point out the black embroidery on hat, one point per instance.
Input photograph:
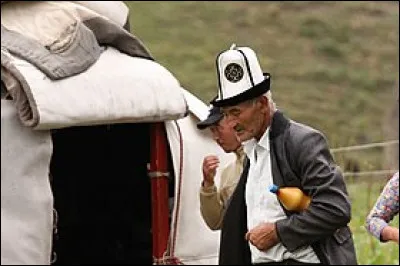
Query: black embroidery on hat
{"points": [[247, 66], [248, 94], [218, 74], [233, 72]]}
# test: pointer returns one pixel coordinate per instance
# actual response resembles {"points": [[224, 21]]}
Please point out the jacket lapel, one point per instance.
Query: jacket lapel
{"points": [[234, 249]]}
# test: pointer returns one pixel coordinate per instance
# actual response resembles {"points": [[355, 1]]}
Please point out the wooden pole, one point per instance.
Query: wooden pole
{"points": [[158, 173]]}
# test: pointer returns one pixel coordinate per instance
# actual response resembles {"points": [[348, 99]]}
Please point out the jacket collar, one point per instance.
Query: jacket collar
{"points": [[278, 124], [240, 154]]}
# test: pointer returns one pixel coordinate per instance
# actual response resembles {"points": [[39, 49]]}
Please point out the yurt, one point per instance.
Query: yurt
{"points": [[100, 154]]}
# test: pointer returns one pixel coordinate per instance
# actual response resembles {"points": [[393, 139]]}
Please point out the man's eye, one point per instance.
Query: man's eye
{"points": [[232, 114], [236, 114]]}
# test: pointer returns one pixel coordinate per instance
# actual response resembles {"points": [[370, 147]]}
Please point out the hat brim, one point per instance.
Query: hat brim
{"points": [[251, 93], [211, 120]]}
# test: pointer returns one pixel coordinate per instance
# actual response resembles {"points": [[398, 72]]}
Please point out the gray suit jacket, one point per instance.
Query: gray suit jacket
{"points": [[300, 157]]}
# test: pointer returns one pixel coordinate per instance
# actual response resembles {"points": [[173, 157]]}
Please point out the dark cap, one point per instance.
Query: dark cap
{"points": [[213, 118]]}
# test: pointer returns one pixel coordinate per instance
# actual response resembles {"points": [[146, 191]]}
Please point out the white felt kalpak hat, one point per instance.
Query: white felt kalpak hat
{"points": [[240, 77]]}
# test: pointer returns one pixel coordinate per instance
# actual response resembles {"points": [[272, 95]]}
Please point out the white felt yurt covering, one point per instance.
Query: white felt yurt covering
{"points": [[116, 88]]}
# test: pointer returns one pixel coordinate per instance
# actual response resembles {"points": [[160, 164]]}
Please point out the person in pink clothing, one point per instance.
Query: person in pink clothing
{"points": [[385, 209]]}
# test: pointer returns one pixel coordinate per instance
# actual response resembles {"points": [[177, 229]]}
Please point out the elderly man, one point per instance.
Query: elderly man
{"points": [[213, 201], [256, 228]]}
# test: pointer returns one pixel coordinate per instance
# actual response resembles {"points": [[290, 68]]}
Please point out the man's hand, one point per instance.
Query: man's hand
{"points": [[263, 236], [210, 165]]}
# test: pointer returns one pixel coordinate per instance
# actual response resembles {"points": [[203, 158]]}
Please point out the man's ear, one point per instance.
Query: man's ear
{"points": [[263, 100], [263, 104]]}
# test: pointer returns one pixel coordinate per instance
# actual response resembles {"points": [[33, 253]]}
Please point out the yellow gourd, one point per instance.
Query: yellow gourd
{"points": [[292, 198]]}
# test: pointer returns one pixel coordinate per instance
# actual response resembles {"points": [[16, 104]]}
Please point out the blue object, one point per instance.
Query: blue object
{"points": [[273, 188]]}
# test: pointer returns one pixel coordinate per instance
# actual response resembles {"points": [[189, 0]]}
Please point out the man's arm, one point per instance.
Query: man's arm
{"points": [[211, 207], [383, 211], [322, 179], [210, 202]]}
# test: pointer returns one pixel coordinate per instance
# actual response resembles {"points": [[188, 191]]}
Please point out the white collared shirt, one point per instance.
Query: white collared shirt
{"points": [[263, 206]]}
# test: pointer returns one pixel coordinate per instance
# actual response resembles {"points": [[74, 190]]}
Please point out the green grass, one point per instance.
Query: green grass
{"points": [[369, 250], [334, 66]]}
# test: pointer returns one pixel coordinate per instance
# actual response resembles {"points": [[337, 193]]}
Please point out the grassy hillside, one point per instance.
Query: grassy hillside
{"points": [[334, 64]]}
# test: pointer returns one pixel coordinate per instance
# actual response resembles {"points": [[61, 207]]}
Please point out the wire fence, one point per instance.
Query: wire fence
{"points": [[365, 146], [354, 172], [377, 173], [365, 185]]}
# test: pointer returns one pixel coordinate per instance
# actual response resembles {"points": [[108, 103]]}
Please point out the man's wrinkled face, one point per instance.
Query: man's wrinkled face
{"points": [[225, 136], [248, 119]]}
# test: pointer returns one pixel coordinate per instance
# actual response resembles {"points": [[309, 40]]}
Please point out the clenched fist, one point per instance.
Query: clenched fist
{"points": [[263, 236], [210, 165]]}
